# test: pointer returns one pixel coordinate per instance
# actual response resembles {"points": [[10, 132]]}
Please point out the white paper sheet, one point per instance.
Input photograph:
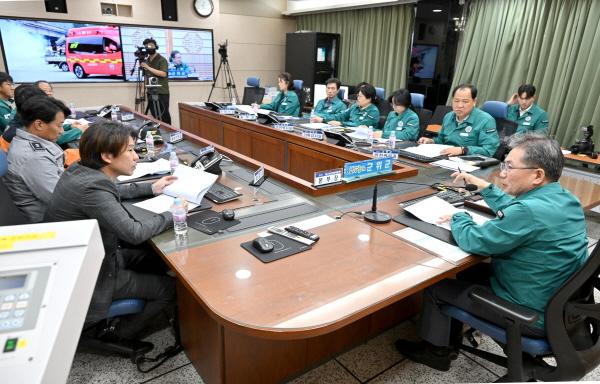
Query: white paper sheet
{"points": [[142, 169], [160, 204], [315, 126], [453, 165], [444, 250], [430, 210], [429, 150], [191, 183]]}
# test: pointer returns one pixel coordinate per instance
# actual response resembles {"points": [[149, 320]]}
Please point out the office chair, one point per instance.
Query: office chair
{"points": [[253, 93], [436, 120], [506, 128], [572, 330], [341, 94], [417, 100], [380, 92], [298, 88], [11, 215], [424, 119], [385, 107], [498, 109]]}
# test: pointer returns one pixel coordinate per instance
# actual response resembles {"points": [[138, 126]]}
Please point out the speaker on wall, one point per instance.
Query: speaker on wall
{"points": [[58, 6], [169, 9]]}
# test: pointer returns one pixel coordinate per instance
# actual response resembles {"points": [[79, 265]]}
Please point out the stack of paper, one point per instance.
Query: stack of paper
{"points": [[315, 126], [157, 167], [455, 166], [430, 210], [191, 184], [428, 150], [446, 251]]}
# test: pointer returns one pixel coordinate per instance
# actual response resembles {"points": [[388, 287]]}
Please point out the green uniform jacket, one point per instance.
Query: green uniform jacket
{"points": [[325, 108], [477, 133], [406, 125], [534, 120], [7, 113], [69, 134], [536, 243], [285, 104], [355, 116]]}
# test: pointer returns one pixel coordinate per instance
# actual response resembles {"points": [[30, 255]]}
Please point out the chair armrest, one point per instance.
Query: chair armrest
{"points": [[504, 308]]}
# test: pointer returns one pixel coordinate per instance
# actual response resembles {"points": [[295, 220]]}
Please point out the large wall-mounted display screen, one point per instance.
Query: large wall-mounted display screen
{"points": [[61, 51]]}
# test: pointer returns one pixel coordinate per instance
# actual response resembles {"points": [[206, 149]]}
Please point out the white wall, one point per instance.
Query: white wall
{"points": [[256, 44]]}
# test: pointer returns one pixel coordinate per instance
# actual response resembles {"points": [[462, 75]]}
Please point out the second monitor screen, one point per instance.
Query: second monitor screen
{"points": [[189, 52]]}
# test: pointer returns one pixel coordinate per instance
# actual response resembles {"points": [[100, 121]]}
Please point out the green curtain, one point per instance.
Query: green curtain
{"points": [[375, 43], [553, 44]]}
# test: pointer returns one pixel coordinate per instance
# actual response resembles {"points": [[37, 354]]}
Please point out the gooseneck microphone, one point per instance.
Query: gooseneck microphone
{"points": [[380, 217]]}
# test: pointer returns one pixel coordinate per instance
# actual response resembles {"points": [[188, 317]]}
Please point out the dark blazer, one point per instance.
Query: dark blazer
{"points": [[86, 193]]}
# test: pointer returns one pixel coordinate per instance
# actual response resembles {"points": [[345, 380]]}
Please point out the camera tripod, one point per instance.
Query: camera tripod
{"points": [[141, 88], [229, 81]]}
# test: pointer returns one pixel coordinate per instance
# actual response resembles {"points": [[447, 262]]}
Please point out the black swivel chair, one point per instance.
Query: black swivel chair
{"points": [[572, 328], [385, 107], [299, 89], [438, 115], [506, 128], [253, 93]]}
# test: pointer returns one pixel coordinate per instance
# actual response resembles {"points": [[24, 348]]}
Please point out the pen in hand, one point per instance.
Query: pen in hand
{"points": [[459, 171]]}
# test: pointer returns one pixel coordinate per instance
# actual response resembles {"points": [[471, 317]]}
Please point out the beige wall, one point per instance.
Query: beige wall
{"points": [[256, 45]]}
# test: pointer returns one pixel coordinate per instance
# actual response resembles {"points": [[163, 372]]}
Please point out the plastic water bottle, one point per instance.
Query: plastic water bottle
{"points": [[72, 109], [312, 114], [113, 113], [149, 144], [370, 135], [179, 218], [392, 140], [173, 161]]}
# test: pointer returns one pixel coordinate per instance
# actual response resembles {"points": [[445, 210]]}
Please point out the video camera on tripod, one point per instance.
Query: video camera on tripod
{"points": [[585, 146], [223, 50], [142, 53]]}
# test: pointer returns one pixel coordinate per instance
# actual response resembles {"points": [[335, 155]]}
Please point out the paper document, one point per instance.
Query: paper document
{"points": [[142, 169], [360, 133], [430, 210], [80, 121], [429, 150], [160, 204], [316, 126], [191, 184], [453, 165], [566, 152], [247, 109], [446, 251]]}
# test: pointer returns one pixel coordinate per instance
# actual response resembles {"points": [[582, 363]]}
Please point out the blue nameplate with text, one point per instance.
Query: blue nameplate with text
{"points": [[383, 153], [313, 134], [364, 169]]}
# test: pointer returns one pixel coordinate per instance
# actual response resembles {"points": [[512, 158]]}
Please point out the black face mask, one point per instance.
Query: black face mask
{"points": [[151, 51]]}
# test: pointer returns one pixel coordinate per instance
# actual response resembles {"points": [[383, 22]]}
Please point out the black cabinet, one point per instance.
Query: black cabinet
{"points": [[312, 57]]}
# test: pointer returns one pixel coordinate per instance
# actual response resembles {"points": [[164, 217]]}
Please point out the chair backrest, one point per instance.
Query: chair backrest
{"points": [[439, 113], [380, 92], [298, 84], [10, 214], [253, 95], [385, 107], [417, 100], [253, 81], [573, 323], [341, 93], [3, 163], [506, 128], [424, 119], [498, 109]]}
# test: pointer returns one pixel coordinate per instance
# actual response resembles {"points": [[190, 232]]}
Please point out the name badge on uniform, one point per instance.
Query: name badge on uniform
{"points": [[526, 123], [528, 118], [468, 129], [37, 146], [361, 118], [284, 103], [464, 134]]}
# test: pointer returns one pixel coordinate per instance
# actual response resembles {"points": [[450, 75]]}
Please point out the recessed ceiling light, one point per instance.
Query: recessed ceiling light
{"points": [[437, 10]]}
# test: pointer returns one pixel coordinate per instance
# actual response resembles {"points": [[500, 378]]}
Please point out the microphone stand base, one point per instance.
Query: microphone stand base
{"points": [[377, 217]]}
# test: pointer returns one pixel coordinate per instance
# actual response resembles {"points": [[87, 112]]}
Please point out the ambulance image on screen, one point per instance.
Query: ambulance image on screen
{"points": [[94, 51]]}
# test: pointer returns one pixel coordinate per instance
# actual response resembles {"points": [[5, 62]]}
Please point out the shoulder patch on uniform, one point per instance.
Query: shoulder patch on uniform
{"points": [[500, 214], [36, 146]]}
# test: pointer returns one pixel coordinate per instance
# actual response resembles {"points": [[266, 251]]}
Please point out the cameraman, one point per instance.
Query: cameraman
{"points": [[158, 67]]}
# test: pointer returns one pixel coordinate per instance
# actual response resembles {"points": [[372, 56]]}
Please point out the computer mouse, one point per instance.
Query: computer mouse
{"points": [[228, 214], [262, 245]]}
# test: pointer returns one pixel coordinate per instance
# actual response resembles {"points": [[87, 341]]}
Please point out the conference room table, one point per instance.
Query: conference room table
{"points": [[245, 321]]}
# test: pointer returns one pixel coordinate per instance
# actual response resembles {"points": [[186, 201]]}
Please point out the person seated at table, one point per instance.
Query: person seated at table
{"points": [[7, 92], [536, 242], [88, 190], [362, 113], [35, 161], [524, 111], [71, 131], [176, 64], [286, 102], [331, 104], [403, 119], [45, 86], [467, 128], [352, 97]]}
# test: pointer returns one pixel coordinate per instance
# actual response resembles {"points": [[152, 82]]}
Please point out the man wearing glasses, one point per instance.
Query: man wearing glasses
{"points": [[536, 242], [467, 128], [523, 110]]}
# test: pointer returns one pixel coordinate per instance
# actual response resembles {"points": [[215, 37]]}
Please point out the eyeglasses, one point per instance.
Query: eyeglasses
{"points": [[507, 167]]}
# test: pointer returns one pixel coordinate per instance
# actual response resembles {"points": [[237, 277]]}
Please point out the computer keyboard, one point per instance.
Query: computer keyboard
{"points": [[450, 196], [421, 158], [220, 193]]}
